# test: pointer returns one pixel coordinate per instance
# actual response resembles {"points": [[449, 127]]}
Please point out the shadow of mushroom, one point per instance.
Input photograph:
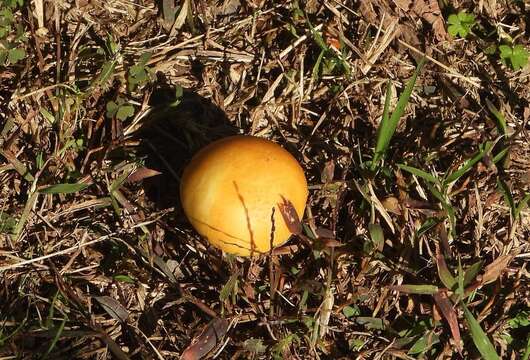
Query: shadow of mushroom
{"points": [[179, 124]]}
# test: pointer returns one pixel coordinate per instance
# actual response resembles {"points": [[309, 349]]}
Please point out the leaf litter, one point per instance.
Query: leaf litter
{"points": [[104, 103]]}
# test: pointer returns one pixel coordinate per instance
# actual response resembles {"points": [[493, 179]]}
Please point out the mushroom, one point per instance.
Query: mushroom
{"points": [[231, 191]]}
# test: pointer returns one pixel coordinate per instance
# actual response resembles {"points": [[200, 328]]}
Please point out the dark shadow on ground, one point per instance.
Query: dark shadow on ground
{"points": [[180, 123]]}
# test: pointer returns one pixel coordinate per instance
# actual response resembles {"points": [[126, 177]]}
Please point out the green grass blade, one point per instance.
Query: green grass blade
{"points": [[55, 339], [415, 289], [444, 273], [25, 214], [49, 320], [107, 70], [316, 67], [501, 121], [500, 155], [388, 125], [445, 204], [118, 182], [4, 338], [64, 188], [319, 40], [521, 206], [7, 223], [507, 194], [471, 272], [427, 225], [386, 108], [469, 164], [424, 343], [18, 165], [371, 322], [377, 236], [460, 278], [420, 173], [481, 340]]}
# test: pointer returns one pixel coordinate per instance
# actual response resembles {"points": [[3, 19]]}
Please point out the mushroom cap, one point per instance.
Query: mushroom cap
{"points": [[231, 189]]}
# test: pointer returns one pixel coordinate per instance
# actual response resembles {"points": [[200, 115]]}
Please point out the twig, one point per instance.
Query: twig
{"points": [[298, 41], [58, 253], [452, 72]]}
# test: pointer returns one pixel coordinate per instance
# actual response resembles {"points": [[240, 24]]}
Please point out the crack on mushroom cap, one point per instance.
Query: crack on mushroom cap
{"points": [[247, 216]]}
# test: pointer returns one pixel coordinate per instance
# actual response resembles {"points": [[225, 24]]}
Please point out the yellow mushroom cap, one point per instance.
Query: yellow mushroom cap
{"points": [[230, 188]]}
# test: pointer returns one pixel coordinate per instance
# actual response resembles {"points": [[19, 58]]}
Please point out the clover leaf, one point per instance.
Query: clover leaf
{"points": [[119, 109], [460, 24], [138, 74], [516, 57]]}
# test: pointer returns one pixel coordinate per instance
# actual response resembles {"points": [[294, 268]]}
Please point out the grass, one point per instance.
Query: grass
{"points": [[389, 123], [414, 243]]}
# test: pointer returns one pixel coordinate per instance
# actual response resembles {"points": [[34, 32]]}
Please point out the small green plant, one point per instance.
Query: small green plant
{"points": [[139, 73], [12, 37], [350, 311], [424, 343], [111, 53], [513, 329], [120, 109], [281, 348], [13, 3], [66, 188], [457, 289], [515, 208], [329, 61], [7, 223], [519, 324], [460, 24], [228, 294], [515, 56]]}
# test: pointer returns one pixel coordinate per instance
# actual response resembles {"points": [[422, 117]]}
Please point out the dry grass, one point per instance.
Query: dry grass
{"points": [[108, 267]]}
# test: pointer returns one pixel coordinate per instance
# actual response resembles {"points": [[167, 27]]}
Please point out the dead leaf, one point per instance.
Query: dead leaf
{"points": [[285, 250], [392, 205], [443, 271], [493, 198], [325, 312], [320, 243], [312, 6], [368, 12], [429, 10], [169, 11], [142, 173], [181, 18], [409, 35], [230, 7], [249, 291], [207, 340], [436, 316], [495, 269], [525, 177], [446, 308], [290, 216], [113, 307], [403, 4], [324, 233]]}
